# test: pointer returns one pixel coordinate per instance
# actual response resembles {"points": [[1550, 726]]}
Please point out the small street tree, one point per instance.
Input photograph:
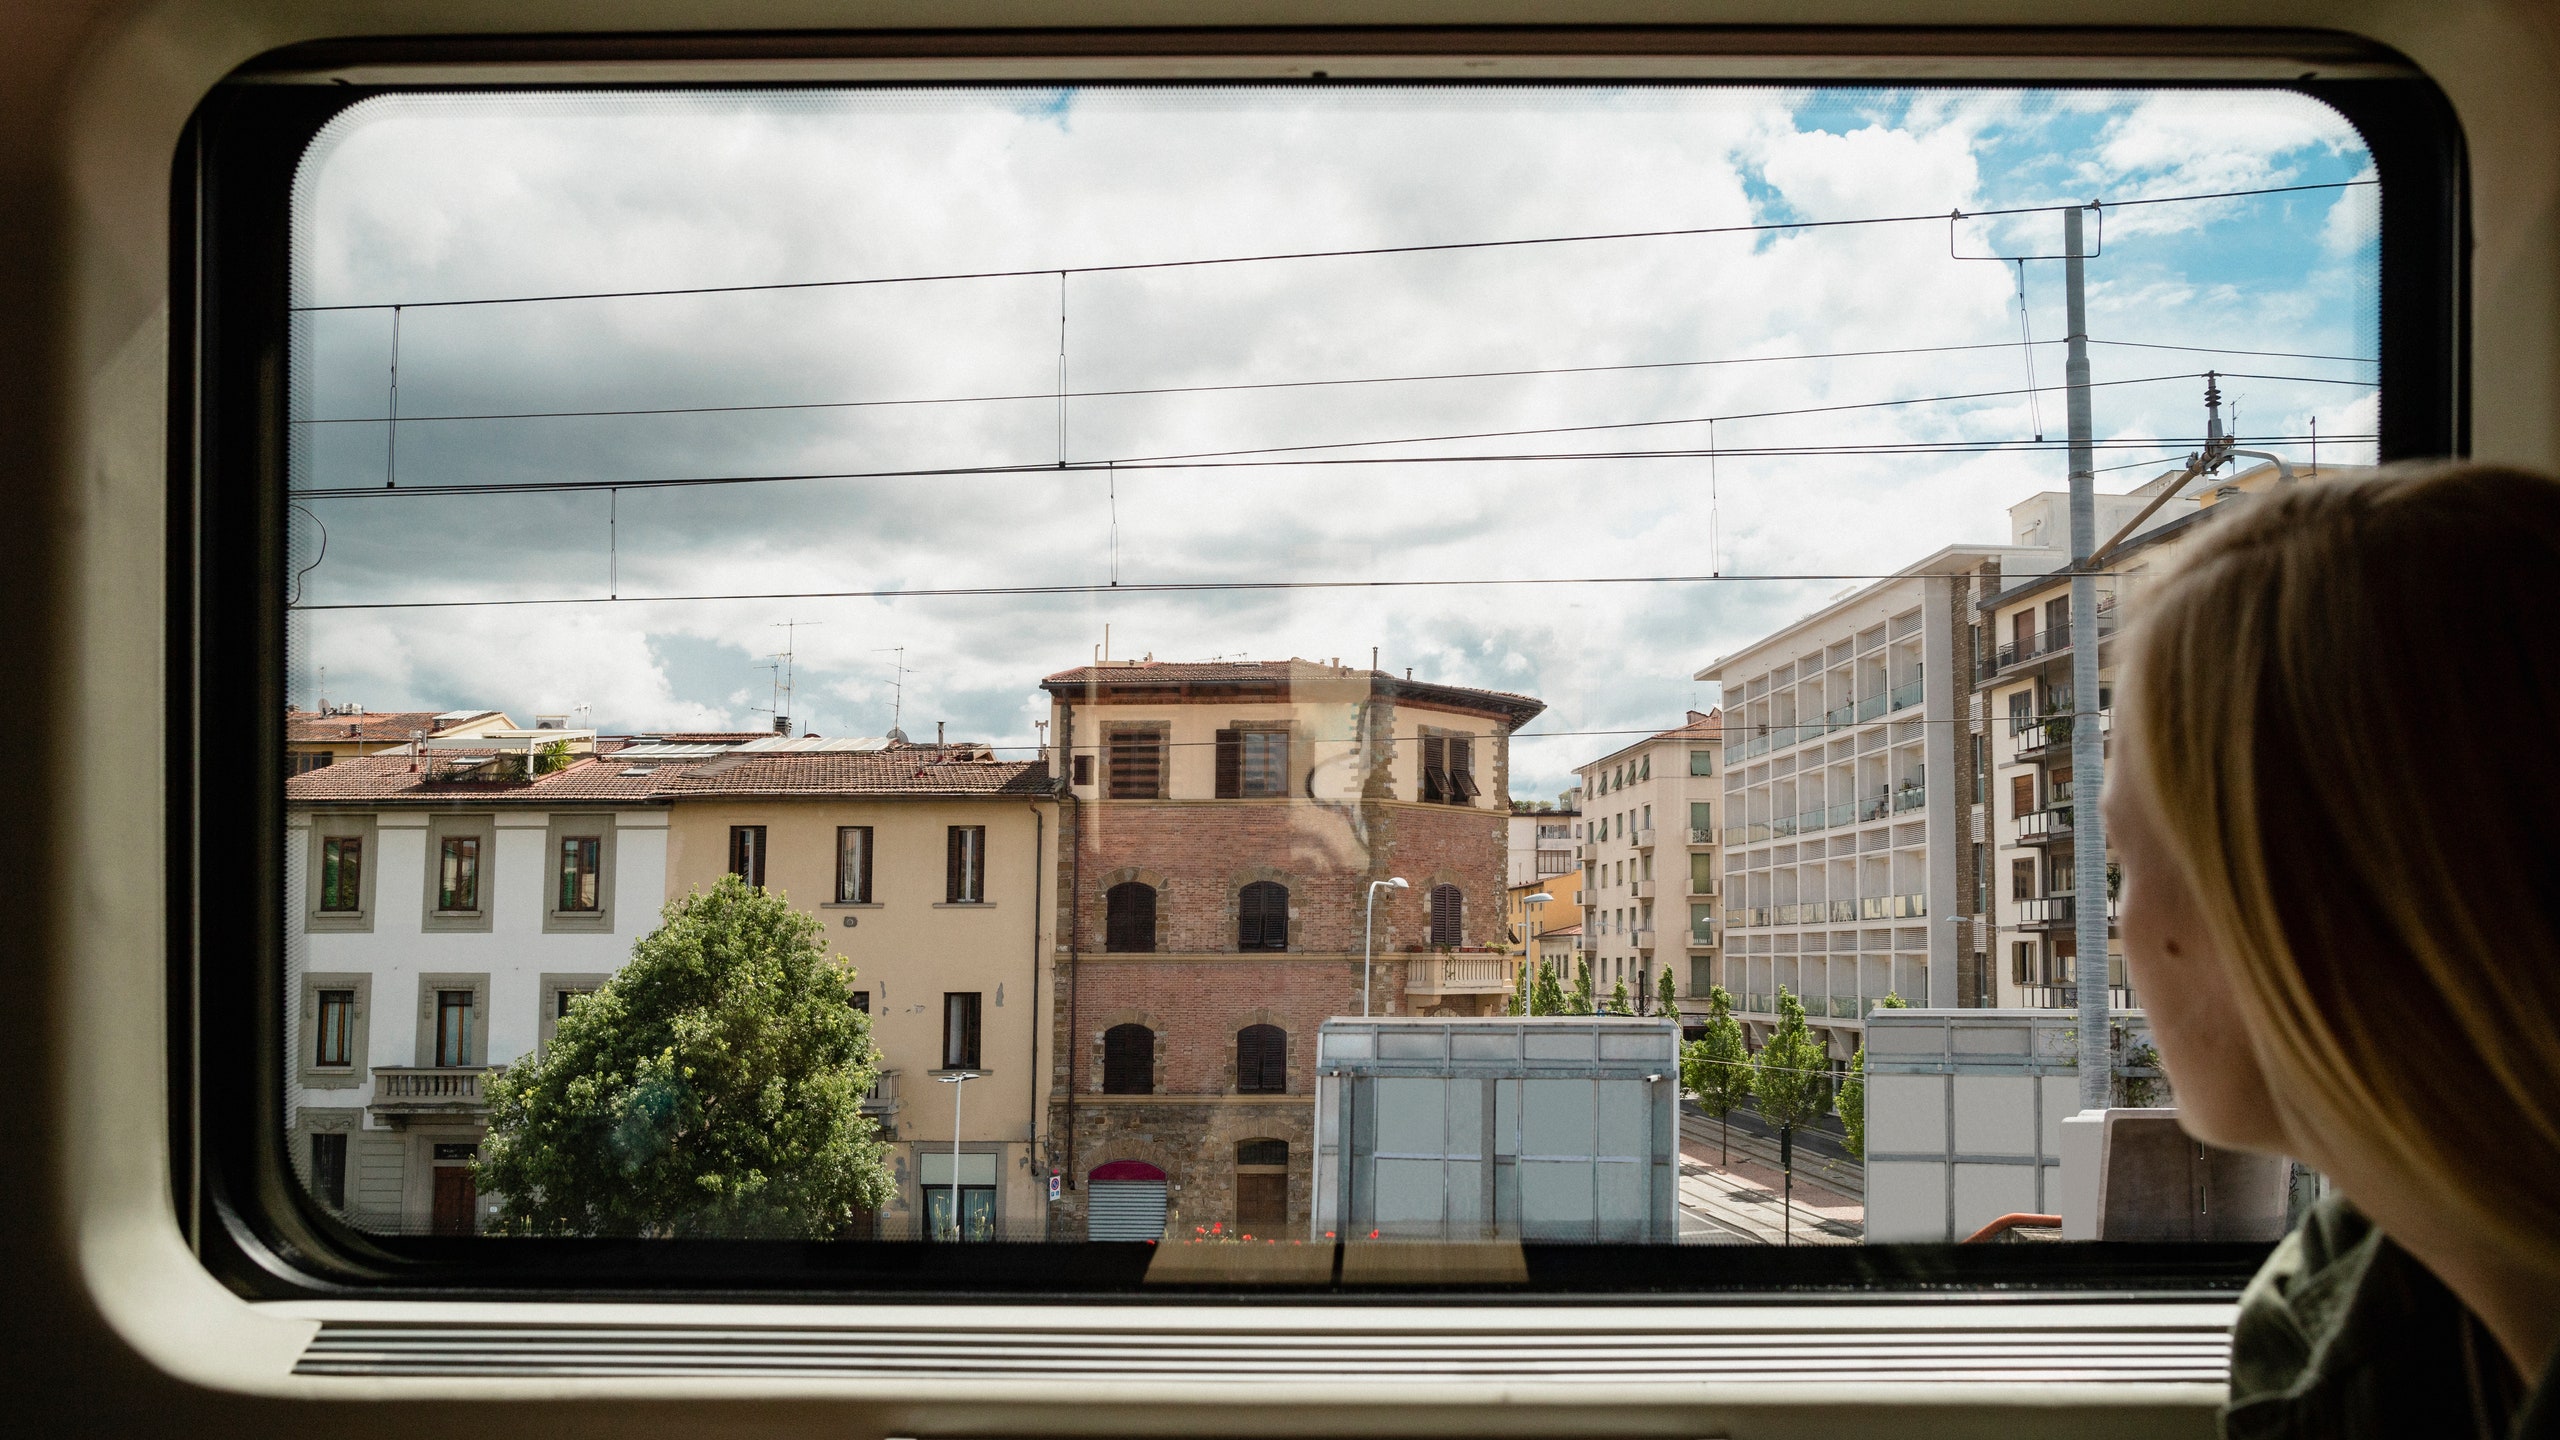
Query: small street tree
{"points": [[1619, 1001], [1715, 1069], [1852, 1104], [1580, 1001], [1787, 1080], [712, 1088], [1669, 996], [1551, 993]]}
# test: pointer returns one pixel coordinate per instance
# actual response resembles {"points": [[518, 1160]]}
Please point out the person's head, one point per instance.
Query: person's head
{"points": [[2336, 803]]}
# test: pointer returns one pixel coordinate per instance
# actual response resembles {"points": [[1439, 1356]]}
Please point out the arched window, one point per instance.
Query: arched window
{"points": [[1448, 915], [1262, 1060], [1129, 918], [1262, 917], [1129, 1060]]}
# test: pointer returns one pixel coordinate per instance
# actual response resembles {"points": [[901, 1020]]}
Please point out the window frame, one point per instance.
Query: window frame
{"points": [[861, 876], [433, 985], [324, 826], [565, 825], [309, 1073], [748, 847], [229, 247], [967, 1010], [964, 865], [433, 918]]}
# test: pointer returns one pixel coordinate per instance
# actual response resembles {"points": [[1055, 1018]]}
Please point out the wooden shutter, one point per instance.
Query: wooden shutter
{"points": [[1435, 768], [1448, 915], [951, 863], [1462, 769], [1128, 1060], [1262, 1061], [1129, 918], [1230, 765], [1137, 765], [2022, 795], [1262, 917]]}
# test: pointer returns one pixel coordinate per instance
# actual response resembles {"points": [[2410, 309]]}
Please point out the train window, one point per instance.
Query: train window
{"points": [[1010, 462]]}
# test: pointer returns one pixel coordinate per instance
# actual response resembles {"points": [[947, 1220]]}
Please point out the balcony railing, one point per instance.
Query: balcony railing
{"points": [[1894, 907], [1644, 889], [1783, 826], [1904, 696], [1645, 838], [1745, 834], [2067, 997], [1871, 707], [2043, 827], [883, 1099], [1644, 936], [2055, 911], [1702, 888], [1590, 850], [402, 1093], [1702, 937], [1809, 821], [1844, 1007], [1760, 1004], [1843, 911], [1910, 797], [1702, 835], [1458, 974], [1845, 715]]}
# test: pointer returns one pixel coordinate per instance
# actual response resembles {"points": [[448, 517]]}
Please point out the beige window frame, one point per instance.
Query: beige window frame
{"points": [[483, 828], [312, 1074], [430, 988], [596, 825], [553, 983], [358, 921]]}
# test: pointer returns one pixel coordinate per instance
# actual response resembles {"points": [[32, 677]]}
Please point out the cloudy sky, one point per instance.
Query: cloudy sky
{"points": [[473, 198]]}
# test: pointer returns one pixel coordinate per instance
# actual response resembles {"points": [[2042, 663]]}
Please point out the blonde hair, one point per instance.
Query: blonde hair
{"points": [[2346, 704]]}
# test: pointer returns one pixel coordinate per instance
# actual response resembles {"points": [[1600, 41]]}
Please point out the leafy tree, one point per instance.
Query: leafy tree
{"points": [[1670, 994], [1619, 1001], [1789, 1074], [1580, 1001], [1852, 1103], [1715, 1069], [712, 1088], [1551, 996]]}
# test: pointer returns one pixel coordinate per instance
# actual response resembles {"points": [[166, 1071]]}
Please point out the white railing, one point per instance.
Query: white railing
{"points": [[1459, 974]]}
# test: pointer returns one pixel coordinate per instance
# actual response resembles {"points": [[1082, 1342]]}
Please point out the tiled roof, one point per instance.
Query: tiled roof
{"points": [[1270, 672], [1708, 726], [709, 737], [907, 772], [310, 727], [389, 780]]}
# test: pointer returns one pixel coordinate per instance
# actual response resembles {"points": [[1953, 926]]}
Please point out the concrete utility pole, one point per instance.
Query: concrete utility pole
{"points": [[2088, 744]]}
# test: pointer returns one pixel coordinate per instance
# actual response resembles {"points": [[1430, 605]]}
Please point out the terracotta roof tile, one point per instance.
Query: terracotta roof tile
{"points": [[310, 727], [388, 780], [908, 772], [1522, 708]]}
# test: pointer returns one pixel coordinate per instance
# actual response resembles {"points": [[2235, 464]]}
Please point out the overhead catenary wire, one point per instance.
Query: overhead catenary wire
{"points": [[1353, 252]]}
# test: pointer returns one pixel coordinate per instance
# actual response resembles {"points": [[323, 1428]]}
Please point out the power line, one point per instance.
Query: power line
{"points": [[2229, 350], [1124, 267], [1100, 467], [1165, 587]]}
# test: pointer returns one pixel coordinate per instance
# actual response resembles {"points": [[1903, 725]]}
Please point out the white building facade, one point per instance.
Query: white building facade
{"points": [[438, 928], [1649, 884]]}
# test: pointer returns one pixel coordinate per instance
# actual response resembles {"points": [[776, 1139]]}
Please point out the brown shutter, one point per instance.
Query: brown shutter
{"points": [[1435, 768], [866, 864], [1230, 765], [1448, 914], [951, 863], [1462, 769]]}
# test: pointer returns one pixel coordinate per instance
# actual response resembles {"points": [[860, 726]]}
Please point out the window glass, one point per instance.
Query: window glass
{"points": [[1188, 459]]}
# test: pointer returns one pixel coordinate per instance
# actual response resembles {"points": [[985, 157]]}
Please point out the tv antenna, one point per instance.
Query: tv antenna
{"points": [[783, 672], [897, 688]]}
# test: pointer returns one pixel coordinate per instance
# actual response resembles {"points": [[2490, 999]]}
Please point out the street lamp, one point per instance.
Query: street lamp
{"points": [[957, 1080], [1532, 904], [1368, 935]]}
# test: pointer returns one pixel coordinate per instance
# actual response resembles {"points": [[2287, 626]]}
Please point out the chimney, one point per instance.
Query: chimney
{"points": [[782, 725], [937, 734]]}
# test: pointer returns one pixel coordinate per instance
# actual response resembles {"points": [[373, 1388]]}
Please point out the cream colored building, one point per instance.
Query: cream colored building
{"points": [[1649, 862], [316, 738], [928, 867]]}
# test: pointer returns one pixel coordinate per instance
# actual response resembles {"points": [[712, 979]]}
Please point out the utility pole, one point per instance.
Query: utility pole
{"points": [[2088, 744]]}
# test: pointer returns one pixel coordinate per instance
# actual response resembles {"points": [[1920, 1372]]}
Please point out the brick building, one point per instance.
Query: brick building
{"points": [[1220, 828]]}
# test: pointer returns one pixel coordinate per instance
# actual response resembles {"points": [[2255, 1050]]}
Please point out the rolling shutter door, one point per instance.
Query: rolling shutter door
{"points": [[1124, 1210]]}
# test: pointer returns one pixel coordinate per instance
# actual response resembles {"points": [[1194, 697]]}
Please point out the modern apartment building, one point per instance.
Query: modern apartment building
{"points": [[1223, 831], [2025, 690], [1544, 843], [1649, 861], [929, 867], [448, 906]]}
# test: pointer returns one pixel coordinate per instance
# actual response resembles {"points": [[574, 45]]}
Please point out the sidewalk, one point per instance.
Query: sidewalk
{"points": [[1741, 1203]]}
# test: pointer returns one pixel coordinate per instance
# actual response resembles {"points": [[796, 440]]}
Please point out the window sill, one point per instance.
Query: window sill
{"points": [[851, 905], [974, 1072], [964, 904]]}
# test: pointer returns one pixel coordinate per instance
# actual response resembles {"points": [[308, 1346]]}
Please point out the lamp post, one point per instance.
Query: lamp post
{"points": [[1368, 935], [957, 1080], [1531, 905]]}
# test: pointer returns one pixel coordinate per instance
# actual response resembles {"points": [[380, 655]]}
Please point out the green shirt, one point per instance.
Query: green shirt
{"points": [[2343, 1336]]}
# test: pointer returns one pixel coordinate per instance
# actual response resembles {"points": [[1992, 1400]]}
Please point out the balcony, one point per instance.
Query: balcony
{"points": [[1701, 835], [882, 1102], [1645, 838], [1843, 1007], [1761, 1005], [1590, 850], [1871, 707], [1835, 719], [2048, 642], [1904, 696], [1745, 834], [1748, 915], [2033, 739], [2055, 912], [2067, 997], [1644, 889], [403, 1093], [1457, 974], [1643, 935], [1810, 821], [1910, 797], [1702, 937], [1782, 826], [2043, 827], [1701, 889], [1843, 911], [1894, 907]]}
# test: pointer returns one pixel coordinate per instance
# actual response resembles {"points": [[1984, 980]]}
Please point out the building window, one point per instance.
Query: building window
{"points": [[1702, 762], [1253, 764], [1082, 770], [1262, 1184], [853, 864], [746, 853], [458, 874], [960, 1030], [1702, 817], [453, 1028], [342, 873], [1137, 764], [965, 865], [2022, 795], [1128, 1060], [581, 873], [563, 998], [2022, 879], [1129, 918], [2057, 622], [1262, 917], [2021, 961], [1981, 879], [337, 1039], [1448, 915], [1449, 770], [1262, 1060], [329, 1170], [1645, 770], [303, 762]]}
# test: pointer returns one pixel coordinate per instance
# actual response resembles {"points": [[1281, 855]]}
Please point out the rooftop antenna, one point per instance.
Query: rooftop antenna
{"points": [[897, 688], [783, 673]]}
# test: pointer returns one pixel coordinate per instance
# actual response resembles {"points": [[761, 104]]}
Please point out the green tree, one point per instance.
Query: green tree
{"points": [[555, 756], [1852, 1103], [1669, 1002], [1715, 1069], [1789, 1075], [1620, 1002], [1579, 1003], [1551, 996], [712, 1088]]}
